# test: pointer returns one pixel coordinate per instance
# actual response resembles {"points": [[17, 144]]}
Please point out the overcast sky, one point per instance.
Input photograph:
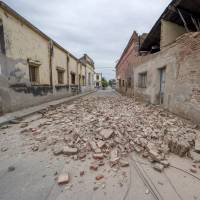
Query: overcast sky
{"points": [[100, 28]]}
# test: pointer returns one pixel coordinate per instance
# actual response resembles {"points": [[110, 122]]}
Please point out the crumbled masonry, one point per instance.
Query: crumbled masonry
{"points": [[107, 129]]}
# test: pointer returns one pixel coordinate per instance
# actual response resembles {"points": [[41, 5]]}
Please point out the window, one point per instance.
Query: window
{"points": [[34, 74], [97, 77], [60, 76], [2, 41], [83, 80], [120, 83], [142, 80], [89, 79], [73, 78], [123, 83], [129, 82]]}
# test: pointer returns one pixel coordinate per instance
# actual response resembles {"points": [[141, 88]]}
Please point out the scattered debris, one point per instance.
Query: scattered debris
{"points": [[95, 188], [82, 173], [193, 170], [107, 129], [94, 167], [63, 179], [106, 133], [99, 177], [197, 145], [98, 156], [70, 151], [123, 163], [57, 150], [158, 167]]}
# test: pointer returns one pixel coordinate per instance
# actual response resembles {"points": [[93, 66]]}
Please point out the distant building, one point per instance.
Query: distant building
{"points": [[98, 80], [164, 68], [34, 68]]}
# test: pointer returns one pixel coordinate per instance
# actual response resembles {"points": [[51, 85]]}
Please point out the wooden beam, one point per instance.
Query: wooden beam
{"points": [[182, 18]]}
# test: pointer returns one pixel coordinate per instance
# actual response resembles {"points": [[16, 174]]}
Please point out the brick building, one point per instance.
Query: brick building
{"points": [[126, 64], [166, 68], [34, 68]]}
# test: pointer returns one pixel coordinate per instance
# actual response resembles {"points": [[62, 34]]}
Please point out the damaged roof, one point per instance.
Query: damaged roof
{"points": [[187, 7]]}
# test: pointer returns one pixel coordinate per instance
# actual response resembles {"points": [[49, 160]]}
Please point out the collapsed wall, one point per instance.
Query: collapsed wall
{"points": [[182, 79]]}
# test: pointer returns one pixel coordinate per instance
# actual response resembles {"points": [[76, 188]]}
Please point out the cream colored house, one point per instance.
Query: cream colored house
{"points": [[33, 67], [98, 80], [89, 72]]}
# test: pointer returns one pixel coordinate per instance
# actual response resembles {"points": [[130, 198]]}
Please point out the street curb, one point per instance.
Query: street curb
{"points": [[31, 110]]}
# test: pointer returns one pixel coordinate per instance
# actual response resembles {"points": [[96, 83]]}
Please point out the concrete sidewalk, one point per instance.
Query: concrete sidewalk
{"points": [[6, 118]]}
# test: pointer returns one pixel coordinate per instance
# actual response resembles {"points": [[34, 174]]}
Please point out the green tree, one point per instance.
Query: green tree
{"points": [[104, 82]]}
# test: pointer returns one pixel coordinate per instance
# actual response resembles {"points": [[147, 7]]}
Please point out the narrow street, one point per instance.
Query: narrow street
{"points": [[110, 147]]}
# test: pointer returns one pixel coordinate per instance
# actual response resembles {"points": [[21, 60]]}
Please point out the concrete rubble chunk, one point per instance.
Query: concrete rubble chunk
{"points": [[123, 163], [106, 133], [114, 158], [63, 179], [197, 145], [70, 151], [101, 144], [93, 145], [193, 170], [195, 156], [94, 167], [98, 156], [99, 177], [57, 150], [165, 163], [158, 167], [153, 152], [40, 138]]}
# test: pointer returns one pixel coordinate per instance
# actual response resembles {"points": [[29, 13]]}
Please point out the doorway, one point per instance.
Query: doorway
{"points": [[162, 84]]}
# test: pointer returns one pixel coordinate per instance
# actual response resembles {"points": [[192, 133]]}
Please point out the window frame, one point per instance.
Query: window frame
{"points": [[36, 74], [142, 80], [60, 76], [73, 78]]}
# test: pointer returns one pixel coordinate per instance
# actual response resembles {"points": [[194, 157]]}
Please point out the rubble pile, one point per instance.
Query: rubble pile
{"points": [[109, 128]]}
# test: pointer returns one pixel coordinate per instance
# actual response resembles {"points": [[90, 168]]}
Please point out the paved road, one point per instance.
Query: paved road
{"points": [[35, 172]]}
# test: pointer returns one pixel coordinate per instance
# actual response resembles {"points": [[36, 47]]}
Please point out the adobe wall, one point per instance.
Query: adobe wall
{"points": [[182, 88]]}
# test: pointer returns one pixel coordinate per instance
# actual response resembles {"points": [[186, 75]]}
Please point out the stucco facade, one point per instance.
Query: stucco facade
{"points": [[33, 67], [98, 80]]}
